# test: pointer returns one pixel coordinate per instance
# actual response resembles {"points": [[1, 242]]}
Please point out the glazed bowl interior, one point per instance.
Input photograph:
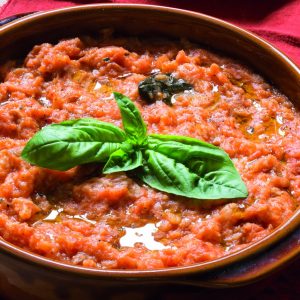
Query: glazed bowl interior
{"points": [[20, 36]]}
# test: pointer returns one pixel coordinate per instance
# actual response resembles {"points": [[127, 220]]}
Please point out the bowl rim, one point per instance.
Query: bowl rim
{"points": [[279, 233]]}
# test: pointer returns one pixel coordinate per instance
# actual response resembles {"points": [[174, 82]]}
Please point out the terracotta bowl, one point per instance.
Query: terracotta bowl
{"points": [[24, 273]]}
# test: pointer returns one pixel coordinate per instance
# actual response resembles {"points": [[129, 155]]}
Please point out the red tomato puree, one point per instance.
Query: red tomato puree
{"points": [[84, 218]]}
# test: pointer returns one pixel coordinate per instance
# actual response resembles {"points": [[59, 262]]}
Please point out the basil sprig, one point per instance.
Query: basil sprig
{"points": [[174, 164]]}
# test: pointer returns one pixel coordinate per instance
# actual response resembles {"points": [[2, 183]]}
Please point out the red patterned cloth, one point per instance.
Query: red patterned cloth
{"points": [[278, 21]]}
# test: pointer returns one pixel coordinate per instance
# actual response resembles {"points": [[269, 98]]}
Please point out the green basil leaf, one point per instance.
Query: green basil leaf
{"points": [[121, 161], [133, 123], [185, 149], [71, 143], [191, 168]]}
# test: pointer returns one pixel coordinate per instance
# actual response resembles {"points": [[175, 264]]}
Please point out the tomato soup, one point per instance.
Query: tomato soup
{"points": [[115, 221]]}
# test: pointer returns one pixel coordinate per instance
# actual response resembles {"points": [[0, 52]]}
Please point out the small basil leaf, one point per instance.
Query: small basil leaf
{"points": [[121, 161], [162, 87], [133, 123], [71, 143], [165, 174], [191, 168]]}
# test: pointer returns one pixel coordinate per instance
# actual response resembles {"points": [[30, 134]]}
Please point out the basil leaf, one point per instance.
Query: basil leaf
{"points": [[161, 86], [133, 123], [71, 143], [191, 168], [121, 161], [185, 149]]}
